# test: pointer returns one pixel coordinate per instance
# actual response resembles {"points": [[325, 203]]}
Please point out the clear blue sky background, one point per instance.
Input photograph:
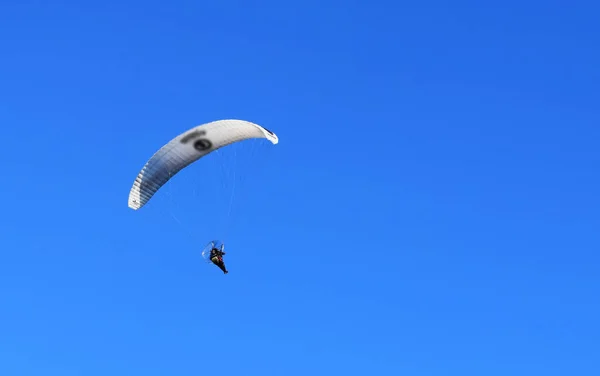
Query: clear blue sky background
{"points": [[431, 209]]}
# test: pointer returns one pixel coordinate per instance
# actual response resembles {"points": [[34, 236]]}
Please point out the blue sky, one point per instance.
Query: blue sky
{"points": [[431, 209]]}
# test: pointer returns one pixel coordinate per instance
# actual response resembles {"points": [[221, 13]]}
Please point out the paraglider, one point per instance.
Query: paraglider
{"points": [[213, 253], [216, 257], [186, 149]]}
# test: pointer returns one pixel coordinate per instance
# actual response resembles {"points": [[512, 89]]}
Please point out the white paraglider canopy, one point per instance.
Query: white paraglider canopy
{"points": [[187, 148]]}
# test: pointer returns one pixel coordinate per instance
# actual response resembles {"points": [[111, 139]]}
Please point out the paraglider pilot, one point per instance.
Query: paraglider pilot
{"points": [[216, 256]]}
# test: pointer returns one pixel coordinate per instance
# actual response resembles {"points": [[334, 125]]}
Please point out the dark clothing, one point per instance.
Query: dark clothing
{"points": [[216, 256]]}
